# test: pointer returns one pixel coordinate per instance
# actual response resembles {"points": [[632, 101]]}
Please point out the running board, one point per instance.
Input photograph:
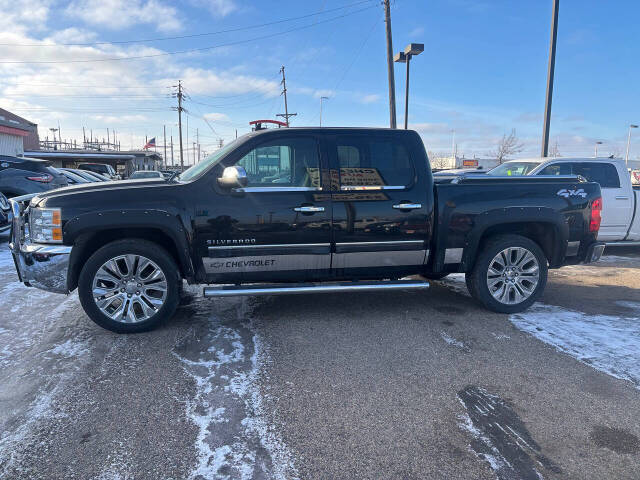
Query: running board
{"points": [[623, 243], [300, 288]]}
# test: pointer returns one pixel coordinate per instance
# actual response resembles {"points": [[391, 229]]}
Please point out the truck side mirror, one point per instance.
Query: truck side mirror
{"points": [[233, 177]]}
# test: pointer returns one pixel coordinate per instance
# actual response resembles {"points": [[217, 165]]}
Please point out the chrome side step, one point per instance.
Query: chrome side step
{"points": [[623, 243], [299, 288]]}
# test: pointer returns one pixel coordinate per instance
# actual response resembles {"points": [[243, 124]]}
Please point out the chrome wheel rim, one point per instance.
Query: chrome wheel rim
{"points": [[129, 288], [513, 275]]}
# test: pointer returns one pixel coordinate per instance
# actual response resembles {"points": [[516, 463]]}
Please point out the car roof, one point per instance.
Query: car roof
{"points": [[562, 159]]}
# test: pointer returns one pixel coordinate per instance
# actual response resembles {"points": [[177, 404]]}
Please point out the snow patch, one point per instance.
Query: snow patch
{"points": [[454, 342], [457, 283], [608, 343], [234, 438]]}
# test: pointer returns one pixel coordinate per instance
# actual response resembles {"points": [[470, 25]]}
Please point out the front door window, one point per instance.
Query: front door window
{"points": [[290, 162]]}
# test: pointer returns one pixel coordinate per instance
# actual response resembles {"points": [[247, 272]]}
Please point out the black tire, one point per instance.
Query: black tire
{"points": [[147, 249], [477, 282], [435, 276]]}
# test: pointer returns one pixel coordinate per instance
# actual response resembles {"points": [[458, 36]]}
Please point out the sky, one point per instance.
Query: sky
{"points": [[114, 64]]}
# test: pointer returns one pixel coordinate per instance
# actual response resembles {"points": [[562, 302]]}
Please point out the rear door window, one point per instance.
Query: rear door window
{"points": [[603, 173], [556, 169], [373, 162]]}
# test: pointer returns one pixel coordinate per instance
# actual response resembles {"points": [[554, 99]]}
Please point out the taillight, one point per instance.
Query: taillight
{"points": [[596, 215], [43, 178]]}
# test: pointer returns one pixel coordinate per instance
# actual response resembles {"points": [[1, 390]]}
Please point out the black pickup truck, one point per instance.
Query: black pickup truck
{"points": [[299, 210]]}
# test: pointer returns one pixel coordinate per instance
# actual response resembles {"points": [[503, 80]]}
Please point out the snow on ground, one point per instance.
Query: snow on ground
{"points": [[608, 343], [38, 354], [454, 342], [235, 439]]}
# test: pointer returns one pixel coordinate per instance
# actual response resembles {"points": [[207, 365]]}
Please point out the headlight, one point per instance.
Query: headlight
{"points": [[45, 225]]}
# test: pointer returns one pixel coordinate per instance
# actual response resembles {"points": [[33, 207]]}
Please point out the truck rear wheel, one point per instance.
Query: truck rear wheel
{"points": [[509, 275], [129, 286]]}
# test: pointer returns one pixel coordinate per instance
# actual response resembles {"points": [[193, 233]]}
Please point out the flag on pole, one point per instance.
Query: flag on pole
{"points": [[150, 143]]}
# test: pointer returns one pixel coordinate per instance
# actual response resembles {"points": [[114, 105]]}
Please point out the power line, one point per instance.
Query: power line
{"points": [[194, 35], [191, 50]]}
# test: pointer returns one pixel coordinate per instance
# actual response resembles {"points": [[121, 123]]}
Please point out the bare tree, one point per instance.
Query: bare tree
{"points": [[439, 161], [509, 145]]}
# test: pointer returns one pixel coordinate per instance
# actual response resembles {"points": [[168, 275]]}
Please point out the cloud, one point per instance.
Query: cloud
{"points": [[218, 8], [313, 92], [217, 117], [371, 98], [23, 15], [122, 14], [529, 117], [416, 32], [431, 127], [72, 35], [209, 82], [119, 119]]}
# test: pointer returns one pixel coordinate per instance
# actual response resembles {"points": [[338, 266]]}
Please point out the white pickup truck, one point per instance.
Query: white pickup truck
{"points": [[620, 217]]}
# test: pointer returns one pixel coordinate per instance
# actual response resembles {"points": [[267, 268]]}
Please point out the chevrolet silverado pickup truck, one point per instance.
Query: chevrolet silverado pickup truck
{"points": [[302, 210], [620, 216]]}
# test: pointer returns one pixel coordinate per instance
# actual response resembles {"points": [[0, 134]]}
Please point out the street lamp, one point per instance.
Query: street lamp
{"points": [[626, 158], [405, 57], [597, 143], [321, 99]]}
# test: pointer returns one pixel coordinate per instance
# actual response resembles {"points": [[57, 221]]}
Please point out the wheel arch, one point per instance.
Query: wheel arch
{"points": [[550, 236], [87, 244]]}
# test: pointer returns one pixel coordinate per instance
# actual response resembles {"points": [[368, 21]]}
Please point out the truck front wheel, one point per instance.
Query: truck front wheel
{"points": [[509, 275], [129, 286]]}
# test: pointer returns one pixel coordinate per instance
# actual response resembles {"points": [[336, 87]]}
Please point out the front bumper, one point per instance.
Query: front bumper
{"points": [[39, 265], [594, 252]]}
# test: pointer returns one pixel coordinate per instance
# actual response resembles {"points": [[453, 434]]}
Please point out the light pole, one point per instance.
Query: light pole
{"points": [[597, 143], [626, 157], [321, 99], [550, 74], [405, 57]]}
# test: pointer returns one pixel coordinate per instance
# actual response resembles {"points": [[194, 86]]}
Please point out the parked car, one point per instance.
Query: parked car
{"points": [[99, 176], [72, 178], [620, 217], [82, 174], [146, 174], [5, 225], [101, 168], [23, 175], [460, 171], [225, 222]]}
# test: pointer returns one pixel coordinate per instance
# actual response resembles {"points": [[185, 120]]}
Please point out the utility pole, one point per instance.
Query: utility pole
{"points": [[392, 81], [286, 113], [186, 140], [180, 96], [172, 162], [550, 72], [198, 143], [164, 158], [626, 157]]}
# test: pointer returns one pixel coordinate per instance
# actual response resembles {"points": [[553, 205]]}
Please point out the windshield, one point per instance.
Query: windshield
{"points": [[148, 174], [513, 169], [209, 162]]}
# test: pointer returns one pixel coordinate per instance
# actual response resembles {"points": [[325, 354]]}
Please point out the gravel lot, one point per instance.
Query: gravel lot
{"points": [[392, 385]]}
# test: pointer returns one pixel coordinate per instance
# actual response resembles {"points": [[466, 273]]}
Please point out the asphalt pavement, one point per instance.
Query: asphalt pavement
{"points": [[384, 385]]}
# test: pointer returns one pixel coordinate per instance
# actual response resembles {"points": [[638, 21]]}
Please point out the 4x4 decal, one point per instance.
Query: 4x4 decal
{"points": [[566, 193]]}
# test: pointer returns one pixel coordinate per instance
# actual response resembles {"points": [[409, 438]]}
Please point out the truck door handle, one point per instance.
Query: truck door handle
{"points": [[407, 206], [309, 209], [622, 197]]}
